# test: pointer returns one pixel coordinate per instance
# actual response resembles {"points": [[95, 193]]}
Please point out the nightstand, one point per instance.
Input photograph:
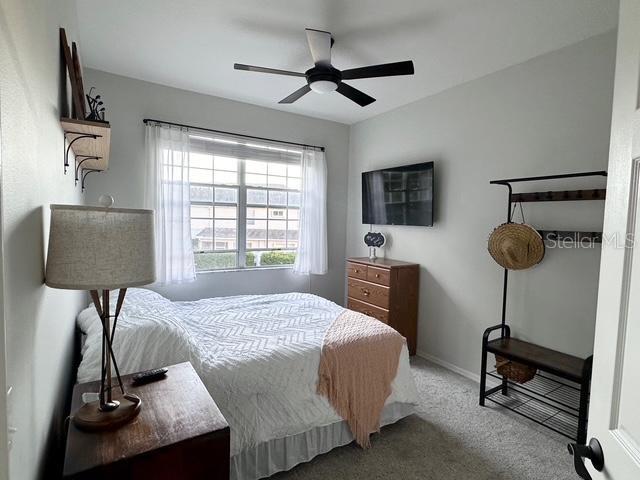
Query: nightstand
{"points": [[179, 433]]}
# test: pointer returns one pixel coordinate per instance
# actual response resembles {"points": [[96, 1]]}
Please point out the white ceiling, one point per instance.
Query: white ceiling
{"points": [[193, 44]]}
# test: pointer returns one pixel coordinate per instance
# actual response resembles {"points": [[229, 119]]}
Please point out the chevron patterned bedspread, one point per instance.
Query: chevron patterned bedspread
{"points": [[258, 355]]}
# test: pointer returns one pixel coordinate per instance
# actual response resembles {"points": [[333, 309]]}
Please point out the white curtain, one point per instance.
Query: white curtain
{"points": [[167, 192], [312, 245]]}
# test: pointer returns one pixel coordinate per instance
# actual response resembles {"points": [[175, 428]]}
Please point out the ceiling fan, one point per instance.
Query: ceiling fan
{"points": [[324, 77]]}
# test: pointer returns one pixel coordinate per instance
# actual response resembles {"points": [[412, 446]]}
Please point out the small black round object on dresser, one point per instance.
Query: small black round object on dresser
{"points": [[374, 240]]}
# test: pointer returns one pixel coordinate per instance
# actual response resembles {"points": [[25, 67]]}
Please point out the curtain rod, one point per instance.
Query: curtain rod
{"points": [[147, 120]]}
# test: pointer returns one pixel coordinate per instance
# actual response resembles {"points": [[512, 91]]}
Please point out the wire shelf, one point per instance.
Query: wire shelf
{"points": [[555, 393], [548, 401], [541, 413]]}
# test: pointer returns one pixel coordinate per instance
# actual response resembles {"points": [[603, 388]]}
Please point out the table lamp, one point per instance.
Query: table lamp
{"points": [[102, 248]]}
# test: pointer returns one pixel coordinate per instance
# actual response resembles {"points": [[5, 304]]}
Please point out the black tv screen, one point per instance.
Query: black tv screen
{"points": [[399, 195]]}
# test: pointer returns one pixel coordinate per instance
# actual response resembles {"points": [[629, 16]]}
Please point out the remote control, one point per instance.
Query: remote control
{"points": [[149, 376]]}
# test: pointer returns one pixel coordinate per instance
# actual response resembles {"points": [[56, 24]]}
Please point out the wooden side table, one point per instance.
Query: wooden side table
{"points": [[179, 433]]}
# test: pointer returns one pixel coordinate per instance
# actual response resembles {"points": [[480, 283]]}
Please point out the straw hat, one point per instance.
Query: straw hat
{"points": [[516, 246]]}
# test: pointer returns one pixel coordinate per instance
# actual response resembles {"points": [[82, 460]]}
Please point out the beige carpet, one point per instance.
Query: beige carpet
{"points": [[451, 438]]}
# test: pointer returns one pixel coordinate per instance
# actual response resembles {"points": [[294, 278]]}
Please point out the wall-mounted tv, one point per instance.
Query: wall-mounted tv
{"points": [[399, 195]]}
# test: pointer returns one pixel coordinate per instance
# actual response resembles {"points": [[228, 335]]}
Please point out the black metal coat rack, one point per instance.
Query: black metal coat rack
{"points": [[558, 396]]}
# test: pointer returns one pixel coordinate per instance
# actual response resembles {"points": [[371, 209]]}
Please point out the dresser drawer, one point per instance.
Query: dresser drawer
{"points": [[362, 307], [379, 275], [356, 270], [369, 292]]}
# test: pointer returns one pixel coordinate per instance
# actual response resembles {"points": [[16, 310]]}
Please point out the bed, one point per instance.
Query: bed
{"points": [[258, 356]]}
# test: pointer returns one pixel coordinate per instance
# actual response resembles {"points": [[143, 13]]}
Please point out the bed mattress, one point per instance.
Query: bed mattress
{"points": [[257, 355]]}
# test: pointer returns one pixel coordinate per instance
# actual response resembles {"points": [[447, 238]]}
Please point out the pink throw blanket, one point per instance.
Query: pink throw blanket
{"points": [[358, 363]]}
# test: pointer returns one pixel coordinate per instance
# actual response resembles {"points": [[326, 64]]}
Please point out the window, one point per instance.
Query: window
{"points": [[245, 203]]}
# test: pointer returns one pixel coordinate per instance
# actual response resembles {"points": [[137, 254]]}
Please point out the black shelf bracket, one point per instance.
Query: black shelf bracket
{"points": [[86, 172], [79, 136], [79, 163]]}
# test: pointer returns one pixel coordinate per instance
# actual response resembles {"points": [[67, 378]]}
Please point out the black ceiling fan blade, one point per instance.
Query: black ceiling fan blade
{"points": [[383, 70], [320, 46], [275, 71], [296, 95], [354, 94]]}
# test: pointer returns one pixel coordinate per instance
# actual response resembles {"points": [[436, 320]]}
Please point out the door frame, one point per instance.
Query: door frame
{"points": [[4, 422]]}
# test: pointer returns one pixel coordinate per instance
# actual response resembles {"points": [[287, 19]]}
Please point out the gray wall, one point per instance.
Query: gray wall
{"points": [[548, 115], [39, 321], [128, 101]]}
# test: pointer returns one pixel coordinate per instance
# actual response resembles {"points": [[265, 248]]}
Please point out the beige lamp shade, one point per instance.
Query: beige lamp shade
{"points": [[97, 248]]}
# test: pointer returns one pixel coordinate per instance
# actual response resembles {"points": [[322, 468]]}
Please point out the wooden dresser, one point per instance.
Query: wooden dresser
{"points": [[179, 433], [387, 290]]}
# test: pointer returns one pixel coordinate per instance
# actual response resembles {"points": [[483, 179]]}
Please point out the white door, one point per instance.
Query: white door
{"points": [[614, 415]]}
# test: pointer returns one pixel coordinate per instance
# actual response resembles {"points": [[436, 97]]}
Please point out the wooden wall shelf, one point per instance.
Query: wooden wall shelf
{"points": [[90, 143]]}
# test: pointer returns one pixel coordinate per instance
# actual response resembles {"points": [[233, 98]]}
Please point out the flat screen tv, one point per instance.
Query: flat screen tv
{"points": [[399, 195]]}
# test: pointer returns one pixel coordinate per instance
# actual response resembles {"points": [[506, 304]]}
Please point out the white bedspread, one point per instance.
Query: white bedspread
{"points": [[257, 355]]}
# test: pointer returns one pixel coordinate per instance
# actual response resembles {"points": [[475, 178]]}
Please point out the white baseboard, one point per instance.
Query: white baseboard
{"points": [[449, 366]]}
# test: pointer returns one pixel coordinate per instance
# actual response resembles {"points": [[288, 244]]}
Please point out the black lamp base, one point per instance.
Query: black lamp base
{"points": [[90, 417]]}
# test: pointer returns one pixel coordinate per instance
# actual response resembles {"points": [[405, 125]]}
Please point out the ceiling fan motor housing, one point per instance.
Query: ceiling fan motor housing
{"points": [[323, 73]]}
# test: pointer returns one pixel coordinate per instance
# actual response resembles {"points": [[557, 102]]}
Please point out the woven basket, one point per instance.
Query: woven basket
{"points": [[515, 371]]}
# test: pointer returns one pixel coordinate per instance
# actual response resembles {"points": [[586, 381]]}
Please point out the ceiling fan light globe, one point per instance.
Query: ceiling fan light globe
{"points": [[323, 86]]}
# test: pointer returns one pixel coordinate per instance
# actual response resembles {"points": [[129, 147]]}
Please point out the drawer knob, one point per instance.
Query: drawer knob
{"points": [[365, 292], [355, 270], [377, 275]]}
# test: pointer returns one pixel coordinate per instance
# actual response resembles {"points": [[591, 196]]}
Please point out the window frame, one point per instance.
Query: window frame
{"points": [[241, 215]]}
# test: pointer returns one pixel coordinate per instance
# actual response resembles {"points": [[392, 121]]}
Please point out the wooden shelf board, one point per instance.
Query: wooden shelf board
{"points": [[505, 181], [570, 236], [98, 147], [560, 196], [552, 361]]}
